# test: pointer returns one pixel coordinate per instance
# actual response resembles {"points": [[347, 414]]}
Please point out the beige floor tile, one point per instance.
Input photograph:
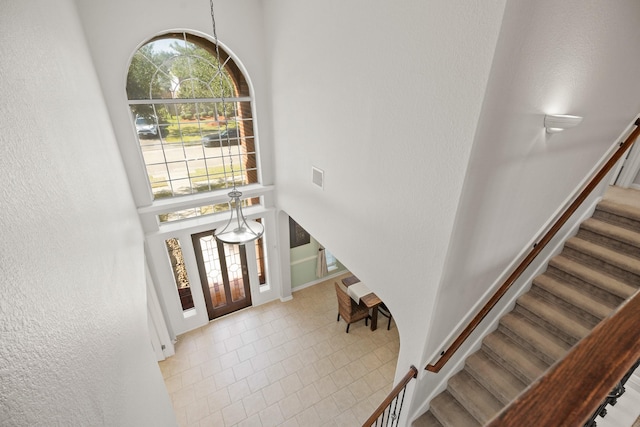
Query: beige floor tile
{"points": [[218, 400], [258, 380], [197, 410], [326, 409], [214, 419], [309, 418], [254, 403], [243, 370], [344, 399], [309, 396], [281, 364], [252, 421], [273, 393], [233, 413], [205, 387], [291, 384], [224, 378], [291, 406], [238, 390], [272, 416]]}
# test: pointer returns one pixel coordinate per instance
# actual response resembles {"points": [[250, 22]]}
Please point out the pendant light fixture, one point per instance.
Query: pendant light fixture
{"points": [[238, 229]]}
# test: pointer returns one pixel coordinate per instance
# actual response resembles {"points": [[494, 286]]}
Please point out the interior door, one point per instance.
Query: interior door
{"points": [[223, 274]]}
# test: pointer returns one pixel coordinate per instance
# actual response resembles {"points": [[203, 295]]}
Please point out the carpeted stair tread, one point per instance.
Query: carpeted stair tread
{"points": [[619, 209], [598, 269], [554, 316], [607, 255], [592, 276], [517, 360], [450, 413], [573, 296], [426, 420], [533, 337], [612, 231], [500, 382], [476, 399]]}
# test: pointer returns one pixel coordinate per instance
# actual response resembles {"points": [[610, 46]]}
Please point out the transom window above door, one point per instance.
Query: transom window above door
{"points": [[194, 124]]}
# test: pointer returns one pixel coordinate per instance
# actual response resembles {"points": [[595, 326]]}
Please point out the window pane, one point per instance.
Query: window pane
{"points": [[180, 273], [174, 136]]}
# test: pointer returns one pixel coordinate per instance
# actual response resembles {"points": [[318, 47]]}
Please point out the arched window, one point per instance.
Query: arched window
{"points": [[191, 141]]}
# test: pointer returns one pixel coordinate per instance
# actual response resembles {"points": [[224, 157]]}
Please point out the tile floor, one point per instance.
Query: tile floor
{"points": [[282, 364]]}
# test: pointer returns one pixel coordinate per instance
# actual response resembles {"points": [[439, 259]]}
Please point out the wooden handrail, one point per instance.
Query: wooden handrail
{"points": [[569, 393], [595, 181], [413, 373]]}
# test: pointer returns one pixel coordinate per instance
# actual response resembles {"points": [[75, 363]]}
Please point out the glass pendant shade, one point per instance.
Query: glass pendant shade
{"points": [[238, 229]]}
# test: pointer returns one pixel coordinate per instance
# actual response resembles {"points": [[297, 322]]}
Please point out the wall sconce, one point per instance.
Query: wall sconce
{"points": [[555, 123]]}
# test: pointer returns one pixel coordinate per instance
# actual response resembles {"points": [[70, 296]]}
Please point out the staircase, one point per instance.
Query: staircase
{"points": [[597, 270]]}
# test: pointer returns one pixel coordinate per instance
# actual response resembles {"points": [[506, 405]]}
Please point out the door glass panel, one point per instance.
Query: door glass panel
{"points": [[234, 266], [215, 279], [223, 274]]}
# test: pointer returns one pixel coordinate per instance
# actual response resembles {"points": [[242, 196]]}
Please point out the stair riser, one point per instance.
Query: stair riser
{"points": [[598, 269], [550, 327], [548, 359], [602, 294], [612, 218], [609, 242], [493, 378], [450, 413], [510, 365], [602, 265], [571, 310], [473, 396]]}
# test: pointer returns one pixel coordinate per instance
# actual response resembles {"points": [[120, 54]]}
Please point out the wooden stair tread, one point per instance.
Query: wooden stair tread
{"points": [[607, 255], [592, 276], [573, 296], [450, 413]]}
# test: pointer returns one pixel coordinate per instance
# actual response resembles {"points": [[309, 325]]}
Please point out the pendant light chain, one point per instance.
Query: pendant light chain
{"points": [[224, 105], [246, 230]]}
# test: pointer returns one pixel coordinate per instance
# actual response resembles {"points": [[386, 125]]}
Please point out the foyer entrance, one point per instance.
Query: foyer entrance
{"points": [[223, 274]]}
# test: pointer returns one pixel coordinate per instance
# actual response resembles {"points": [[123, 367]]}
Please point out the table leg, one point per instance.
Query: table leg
{"points": [[374, 318]]}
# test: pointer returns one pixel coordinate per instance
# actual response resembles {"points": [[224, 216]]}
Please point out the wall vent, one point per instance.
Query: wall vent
{"points": [[317, 176]]}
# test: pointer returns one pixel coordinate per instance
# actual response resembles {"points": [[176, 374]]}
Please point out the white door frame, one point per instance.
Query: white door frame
{"points": [[627, 170]]}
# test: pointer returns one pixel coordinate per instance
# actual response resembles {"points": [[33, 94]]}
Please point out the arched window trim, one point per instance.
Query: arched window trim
{"points": [[227, 56]]}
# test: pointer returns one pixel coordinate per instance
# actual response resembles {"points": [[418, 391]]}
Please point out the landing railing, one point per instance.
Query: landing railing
{"points": [[612, 397], [388, 413], [574, 387], [595, 181]]}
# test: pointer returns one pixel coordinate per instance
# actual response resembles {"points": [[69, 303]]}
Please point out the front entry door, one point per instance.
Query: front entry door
{"points": [[223, 274]]}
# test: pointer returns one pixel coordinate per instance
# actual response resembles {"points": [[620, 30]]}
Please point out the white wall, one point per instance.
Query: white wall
{"points": [[115, 29], [552, 57], [385, 97], [75, 348]]}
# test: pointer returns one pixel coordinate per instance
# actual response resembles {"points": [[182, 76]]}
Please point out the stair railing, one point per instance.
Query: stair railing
{"points": [[612, 397], [574, 387], [388, 413], [535, 251]]}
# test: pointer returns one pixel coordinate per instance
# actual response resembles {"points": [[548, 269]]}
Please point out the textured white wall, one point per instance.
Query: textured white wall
{"points": [[115, 29], [74, 346], [567, 57], [385, 97]]}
